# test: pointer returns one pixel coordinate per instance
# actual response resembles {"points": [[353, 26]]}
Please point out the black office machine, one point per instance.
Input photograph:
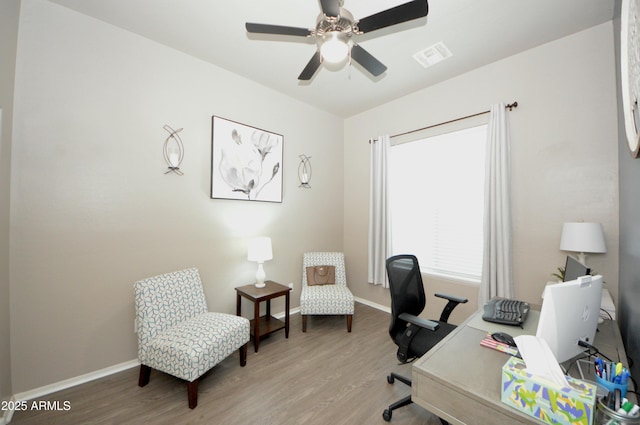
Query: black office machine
{"points": [[506, 311]]}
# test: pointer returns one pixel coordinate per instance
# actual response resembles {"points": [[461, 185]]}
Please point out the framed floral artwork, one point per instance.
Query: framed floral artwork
{"points": [[246, 162]]}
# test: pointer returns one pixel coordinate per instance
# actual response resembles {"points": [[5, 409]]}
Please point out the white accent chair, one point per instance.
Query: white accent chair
{"points": [[178, 335], [334, 299]]}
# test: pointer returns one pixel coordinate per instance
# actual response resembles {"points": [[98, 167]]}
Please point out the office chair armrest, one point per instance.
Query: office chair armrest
{"points": [[419, 321], [453, 303]]}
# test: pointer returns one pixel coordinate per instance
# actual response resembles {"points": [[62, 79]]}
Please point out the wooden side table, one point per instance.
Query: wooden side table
{"points": [[261, 326]]}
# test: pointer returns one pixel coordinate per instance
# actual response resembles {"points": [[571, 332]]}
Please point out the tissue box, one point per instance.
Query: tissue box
{"points": [[544, 400]]}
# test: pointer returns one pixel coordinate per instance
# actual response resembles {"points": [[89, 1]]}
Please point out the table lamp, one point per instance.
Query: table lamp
{"points": [[260, 251], [582, 238]]}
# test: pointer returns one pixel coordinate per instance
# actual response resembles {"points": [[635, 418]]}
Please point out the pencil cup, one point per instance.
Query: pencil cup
{"points": [[607, 416], [612, 387]]}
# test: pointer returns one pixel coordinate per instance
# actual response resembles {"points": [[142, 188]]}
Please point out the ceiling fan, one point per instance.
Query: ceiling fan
{"points": [[334, 28]]}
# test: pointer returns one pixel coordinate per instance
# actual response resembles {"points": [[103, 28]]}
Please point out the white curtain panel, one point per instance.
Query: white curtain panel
{"points": [[497, 262], [379, 216]]}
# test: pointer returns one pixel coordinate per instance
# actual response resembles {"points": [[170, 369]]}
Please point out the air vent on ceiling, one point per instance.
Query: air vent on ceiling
{"points": [[432, 55]]}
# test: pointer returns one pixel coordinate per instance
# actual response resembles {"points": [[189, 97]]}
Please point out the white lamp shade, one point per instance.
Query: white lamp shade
{"points": [[583, 237], [260, 249]]}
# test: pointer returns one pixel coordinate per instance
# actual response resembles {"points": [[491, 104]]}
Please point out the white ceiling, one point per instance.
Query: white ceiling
{"points": [[477, 32]]}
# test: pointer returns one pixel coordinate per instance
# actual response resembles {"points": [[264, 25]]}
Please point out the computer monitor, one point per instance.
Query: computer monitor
{"points": [[570, 313], [573, 269]]}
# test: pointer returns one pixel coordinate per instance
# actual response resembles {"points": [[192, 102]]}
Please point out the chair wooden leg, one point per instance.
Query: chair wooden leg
{"points": [[145, 373], [349, 322], [304, 323], [243, 355], [192, 391]]}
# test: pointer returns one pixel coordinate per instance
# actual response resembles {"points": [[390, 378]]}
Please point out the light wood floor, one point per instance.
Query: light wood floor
{"points": [[321, 377]]}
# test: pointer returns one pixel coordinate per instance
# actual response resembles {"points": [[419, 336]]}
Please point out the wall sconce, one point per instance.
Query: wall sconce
{"points": [[173, 150], [304, 171]]}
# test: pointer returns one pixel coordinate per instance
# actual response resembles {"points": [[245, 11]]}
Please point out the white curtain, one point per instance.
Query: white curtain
{"points": [[497, 267], [379, 216]]}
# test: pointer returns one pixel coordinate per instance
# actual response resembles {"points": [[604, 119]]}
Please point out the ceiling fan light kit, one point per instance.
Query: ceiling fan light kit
{"points": [[334, 47], [334, 30]]}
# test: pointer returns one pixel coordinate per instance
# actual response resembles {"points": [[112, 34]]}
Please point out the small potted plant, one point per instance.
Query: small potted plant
{"points": [[559, 274]]}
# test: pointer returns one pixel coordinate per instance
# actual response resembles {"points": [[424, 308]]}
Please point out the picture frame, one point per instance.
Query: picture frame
{"points": [[246, 162]]}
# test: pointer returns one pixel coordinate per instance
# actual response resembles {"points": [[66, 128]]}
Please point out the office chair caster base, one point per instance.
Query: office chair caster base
{"points": [[391, 378], [386, 415]]}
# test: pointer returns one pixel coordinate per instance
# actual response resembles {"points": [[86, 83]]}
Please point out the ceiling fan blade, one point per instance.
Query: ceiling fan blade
{"points": [[396, 15], [311, 67], [364, 58], [330, 7], [276, 29]]}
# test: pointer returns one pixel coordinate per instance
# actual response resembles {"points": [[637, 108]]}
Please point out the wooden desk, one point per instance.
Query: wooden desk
{"points": [[264, 325], [459, 380]]}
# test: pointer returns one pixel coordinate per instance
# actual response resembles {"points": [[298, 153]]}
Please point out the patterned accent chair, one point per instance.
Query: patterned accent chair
{"points": [[326, 299], [178, 335]]}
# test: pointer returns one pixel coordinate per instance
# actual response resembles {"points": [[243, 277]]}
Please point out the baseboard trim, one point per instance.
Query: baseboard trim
{"points": [[67, 383], [374, 305], [292, 311], [357, 299], [7, 414], [72, 382]]}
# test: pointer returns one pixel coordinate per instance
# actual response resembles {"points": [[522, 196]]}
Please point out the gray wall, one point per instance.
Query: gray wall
{"points": [[92, 210], [629, 285], [9, 15], [564, 156]]}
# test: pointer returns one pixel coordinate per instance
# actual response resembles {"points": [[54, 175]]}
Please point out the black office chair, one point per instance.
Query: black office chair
{"points": [[413, 335]]}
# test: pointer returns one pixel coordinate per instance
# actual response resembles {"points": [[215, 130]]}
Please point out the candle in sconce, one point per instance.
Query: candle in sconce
{"points": [[174, 158]]}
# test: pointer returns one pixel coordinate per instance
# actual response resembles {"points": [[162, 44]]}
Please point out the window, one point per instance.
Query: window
{"points": [[437, 202]]}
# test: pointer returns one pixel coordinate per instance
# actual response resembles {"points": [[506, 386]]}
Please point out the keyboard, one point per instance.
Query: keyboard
{"points": [[506, 311]]}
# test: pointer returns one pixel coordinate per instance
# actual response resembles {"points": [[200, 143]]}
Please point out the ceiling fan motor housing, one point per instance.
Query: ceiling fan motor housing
{"points": [[344, 23]]}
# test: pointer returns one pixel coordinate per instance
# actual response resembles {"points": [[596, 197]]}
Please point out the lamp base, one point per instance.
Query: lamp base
{"points": [[260, 276], [582, 258]]}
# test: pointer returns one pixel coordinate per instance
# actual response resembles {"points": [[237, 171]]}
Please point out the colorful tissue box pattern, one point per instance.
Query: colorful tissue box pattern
{"points": [[544, 400]]}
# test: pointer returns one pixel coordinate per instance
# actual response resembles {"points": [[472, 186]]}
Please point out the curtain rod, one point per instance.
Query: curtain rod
{"points": [[509, 107]]}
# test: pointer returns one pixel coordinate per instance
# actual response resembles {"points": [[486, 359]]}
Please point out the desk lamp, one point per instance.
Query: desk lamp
{"points": [[581, 238], [260, 251]]}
